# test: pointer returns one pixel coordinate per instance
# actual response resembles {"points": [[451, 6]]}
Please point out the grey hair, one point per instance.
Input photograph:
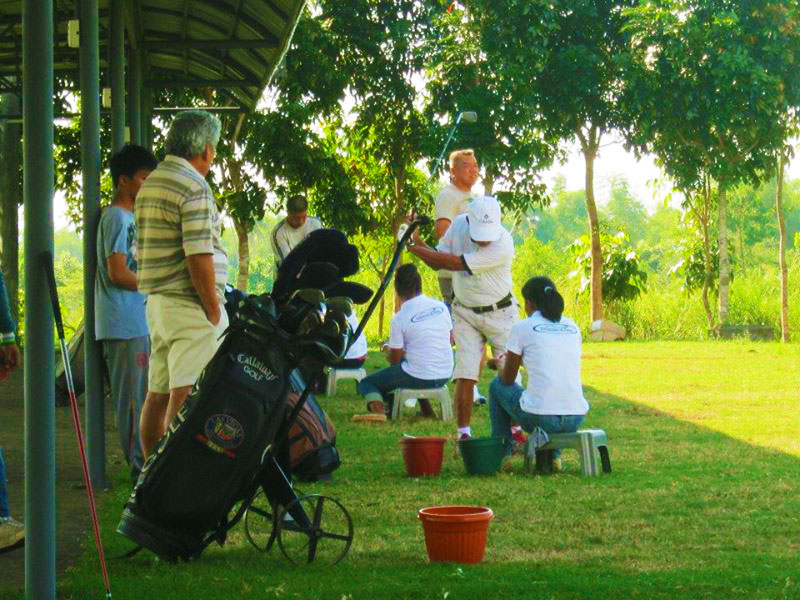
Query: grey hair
{"points": [[190, 132]]}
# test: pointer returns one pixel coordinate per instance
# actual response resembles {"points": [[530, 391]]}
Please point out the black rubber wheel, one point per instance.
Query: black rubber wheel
{"points": [[326, 537]]}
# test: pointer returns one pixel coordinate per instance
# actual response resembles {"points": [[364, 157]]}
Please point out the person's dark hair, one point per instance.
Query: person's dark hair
{"points": [[542, 292], [296, 204], [407, 281], [129, 160]]}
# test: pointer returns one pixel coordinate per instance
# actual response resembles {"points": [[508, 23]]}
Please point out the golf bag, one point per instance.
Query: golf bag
{"points": [[312, 438], [213, 448]]}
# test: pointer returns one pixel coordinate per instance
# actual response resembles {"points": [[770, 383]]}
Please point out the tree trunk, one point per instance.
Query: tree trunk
{"points": [[708, 269], [782, 253], [589, 145], [10, 198], [724, 260], [244, 255]]}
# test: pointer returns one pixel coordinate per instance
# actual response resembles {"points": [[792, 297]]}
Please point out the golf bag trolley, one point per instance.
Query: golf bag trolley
{"points": [[225, 456]]}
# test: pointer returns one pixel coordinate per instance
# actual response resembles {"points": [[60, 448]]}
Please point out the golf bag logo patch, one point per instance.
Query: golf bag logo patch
{"points": [[224, 431], [255, 368]]}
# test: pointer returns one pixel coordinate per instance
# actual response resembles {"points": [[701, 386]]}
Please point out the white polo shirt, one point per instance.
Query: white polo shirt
{"points": [[359, 347], [450, 203], [422, 328], [284, 237], [488, 276], [551, 353]]}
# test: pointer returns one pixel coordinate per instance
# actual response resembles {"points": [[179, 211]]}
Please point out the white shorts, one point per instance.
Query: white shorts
{"points": [[182, 341], [472, 330]]}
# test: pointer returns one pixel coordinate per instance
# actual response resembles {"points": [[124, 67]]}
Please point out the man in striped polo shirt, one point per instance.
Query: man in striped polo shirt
{"points": [[183, 269]]}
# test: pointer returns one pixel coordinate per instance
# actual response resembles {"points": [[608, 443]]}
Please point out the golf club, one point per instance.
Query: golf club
{"points": [[469, 117], [47, 264]]}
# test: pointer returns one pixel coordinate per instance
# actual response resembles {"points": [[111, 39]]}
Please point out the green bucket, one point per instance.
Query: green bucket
{"points": [[483, 456]]}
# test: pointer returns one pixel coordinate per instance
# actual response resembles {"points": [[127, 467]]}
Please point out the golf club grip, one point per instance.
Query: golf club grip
{"points": [[49, 271], [390, 271]]}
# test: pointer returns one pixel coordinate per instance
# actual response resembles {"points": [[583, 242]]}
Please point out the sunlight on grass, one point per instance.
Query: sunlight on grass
{"points": [[703, 500]]}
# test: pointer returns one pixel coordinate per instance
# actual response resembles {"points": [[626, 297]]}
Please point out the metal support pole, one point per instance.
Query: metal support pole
{"points": [[10, 196], [135, 95], [147, 118], [40, 465], [90, 163], [117, 74]]}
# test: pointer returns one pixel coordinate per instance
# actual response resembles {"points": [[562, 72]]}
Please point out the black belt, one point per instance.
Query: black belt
{"points": [[504, 303]]}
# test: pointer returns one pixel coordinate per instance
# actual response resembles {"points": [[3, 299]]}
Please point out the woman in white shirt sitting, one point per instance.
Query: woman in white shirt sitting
{"points": [[549, 346], [419, 349]]}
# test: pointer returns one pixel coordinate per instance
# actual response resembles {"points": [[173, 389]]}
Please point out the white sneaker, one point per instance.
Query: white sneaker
{"points": [[11, 532], [477, 397]]}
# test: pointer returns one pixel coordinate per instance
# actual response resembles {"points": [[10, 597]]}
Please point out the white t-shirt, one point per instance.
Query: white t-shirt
{"points": [[488, 278], [284, 237], [359, 347], [422, 328], [551, 354], [450, 203]]}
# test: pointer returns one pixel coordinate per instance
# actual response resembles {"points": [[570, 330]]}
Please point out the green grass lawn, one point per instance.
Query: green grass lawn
{"points": [[703, 500]]}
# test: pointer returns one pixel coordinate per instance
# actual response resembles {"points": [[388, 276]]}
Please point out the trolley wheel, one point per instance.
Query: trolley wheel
{"points": [[301, 544], [259, 523]]}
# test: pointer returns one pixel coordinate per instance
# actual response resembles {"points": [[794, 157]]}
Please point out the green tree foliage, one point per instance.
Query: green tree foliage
{"points": [[623, 279], [708, 90], [460, 77]]}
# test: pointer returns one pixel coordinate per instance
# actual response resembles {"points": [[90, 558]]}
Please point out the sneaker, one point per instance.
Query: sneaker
{"points": [[12, 532], [464, 436], [477, 397]]}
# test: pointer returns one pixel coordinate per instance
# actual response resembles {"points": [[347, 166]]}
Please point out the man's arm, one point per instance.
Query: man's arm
{"points": [[441, 226], [438, 260], [201, 272], [119, 273], [395, 355]]}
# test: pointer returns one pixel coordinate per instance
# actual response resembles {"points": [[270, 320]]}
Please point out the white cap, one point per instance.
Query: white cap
{"points": [[484, 219]]}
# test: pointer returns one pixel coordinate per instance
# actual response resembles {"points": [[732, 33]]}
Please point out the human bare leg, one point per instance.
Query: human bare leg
{"points": [[463, 394], [151, 421], [177, 396]]}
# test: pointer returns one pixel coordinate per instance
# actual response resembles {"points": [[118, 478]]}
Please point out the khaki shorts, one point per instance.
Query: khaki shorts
{"points": [[471, 331], [182, 341]]}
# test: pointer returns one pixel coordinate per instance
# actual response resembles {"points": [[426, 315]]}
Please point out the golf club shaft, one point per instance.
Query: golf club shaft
{"points": [[447, 143], [388, 277], [47, 263]]}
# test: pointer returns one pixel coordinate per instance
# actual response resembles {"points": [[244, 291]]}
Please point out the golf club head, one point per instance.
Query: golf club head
{"points": [[469, 116]]}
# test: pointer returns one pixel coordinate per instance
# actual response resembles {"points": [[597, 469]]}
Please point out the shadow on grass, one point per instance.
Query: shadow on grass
{"points": [[687, 512]]}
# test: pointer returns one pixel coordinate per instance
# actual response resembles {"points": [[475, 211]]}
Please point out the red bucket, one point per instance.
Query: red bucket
{"points": [[456, 534], [423, 455]]}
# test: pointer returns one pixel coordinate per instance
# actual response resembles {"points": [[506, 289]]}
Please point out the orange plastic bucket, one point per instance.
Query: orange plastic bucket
{"points": [[423, 455], [456, 534]]}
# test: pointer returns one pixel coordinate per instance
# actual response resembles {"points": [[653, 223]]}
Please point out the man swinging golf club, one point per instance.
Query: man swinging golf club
{"points": [[479, 251]]}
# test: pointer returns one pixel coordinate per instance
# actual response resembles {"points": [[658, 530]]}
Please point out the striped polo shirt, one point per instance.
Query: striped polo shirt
{"points": [[176, 216]]}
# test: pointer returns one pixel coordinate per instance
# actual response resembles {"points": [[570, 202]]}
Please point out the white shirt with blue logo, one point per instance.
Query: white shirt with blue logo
{"points": [[422, 328], [551, 354]]}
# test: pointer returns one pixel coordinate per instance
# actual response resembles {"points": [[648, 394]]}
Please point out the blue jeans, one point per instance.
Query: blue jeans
{"points": [[504, 406], [387, 380], [5, 512]]}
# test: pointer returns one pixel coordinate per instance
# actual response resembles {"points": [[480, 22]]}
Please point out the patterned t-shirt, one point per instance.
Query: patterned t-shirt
{"points": [[176, 217], [118, 312]]}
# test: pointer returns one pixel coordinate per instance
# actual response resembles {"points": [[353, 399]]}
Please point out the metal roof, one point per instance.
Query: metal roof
{"points": [[233, 46]]}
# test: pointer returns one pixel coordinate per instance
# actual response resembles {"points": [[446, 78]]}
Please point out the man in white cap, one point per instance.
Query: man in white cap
{"points": [[479, 251]]}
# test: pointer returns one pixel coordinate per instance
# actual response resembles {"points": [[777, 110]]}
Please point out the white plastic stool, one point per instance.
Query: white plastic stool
{"points": [[336, 374], [441, 394]]}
